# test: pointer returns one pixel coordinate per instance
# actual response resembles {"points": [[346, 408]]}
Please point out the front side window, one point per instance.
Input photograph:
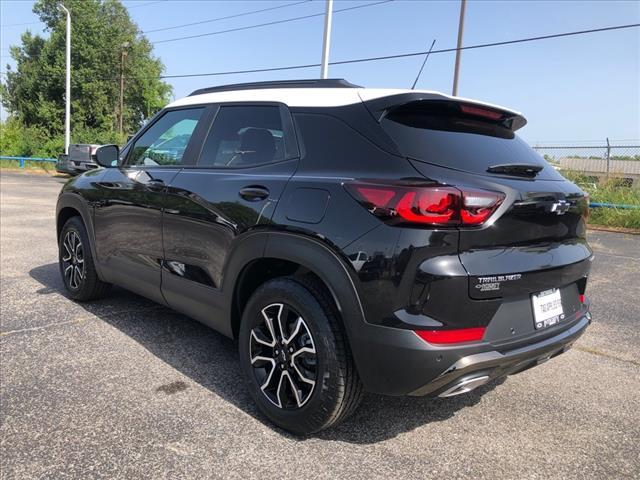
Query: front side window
{"points": [[244, 136], [165, 142]]}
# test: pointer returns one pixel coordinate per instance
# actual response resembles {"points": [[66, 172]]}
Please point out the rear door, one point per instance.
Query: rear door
{"points": [[128, 218], [247, 156]]}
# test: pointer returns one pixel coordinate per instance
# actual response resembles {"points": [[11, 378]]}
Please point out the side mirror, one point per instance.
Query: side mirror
{"points": [[108, 156]]}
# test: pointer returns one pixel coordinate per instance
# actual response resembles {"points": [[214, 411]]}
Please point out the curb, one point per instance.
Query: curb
{"points": [[604, 228]]}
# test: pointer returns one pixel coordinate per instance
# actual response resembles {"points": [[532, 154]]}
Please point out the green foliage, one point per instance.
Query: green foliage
{"points": [[33, 93], [17, 140], [626, 157], [613, 191]]}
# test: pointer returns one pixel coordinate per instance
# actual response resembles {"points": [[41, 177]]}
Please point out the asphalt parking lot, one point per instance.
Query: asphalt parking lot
{"points": [[123, 388]]}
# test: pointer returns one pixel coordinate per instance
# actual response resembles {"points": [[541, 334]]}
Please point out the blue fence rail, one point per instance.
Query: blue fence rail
{"points": [[612, 205], [22, 160]]}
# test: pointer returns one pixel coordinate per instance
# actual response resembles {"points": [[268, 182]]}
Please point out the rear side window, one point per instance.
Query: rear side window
{"points": [[243, 136], [436, 133], [165, 142]]}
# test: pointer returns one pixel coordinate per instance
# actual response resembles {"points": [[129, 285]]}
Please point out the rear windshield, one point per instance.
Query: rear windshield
{"points": [[437, 133]]}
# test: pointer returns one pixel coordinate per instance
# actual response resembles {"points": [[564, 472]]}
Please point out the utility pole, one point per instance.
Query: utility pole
{"points": [[608, 158], [121, 109], [326, 42], [67, 109], [456, 72]]}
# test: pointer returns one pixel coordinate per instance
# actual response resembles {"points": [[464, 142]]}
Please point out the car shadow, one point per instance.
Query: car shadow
{"points": [[211, 360]]}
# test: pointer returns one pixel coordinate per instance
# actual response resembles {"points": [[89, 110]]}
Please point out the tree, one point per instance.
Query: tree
{"points": [[33, 94]]}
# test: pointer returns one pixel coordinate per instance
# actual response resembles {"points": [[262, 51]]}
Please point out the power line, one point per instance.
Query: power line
{"points": [[494, 44], [146, 4], [225, 18], [276, 22], [400, 55], [404, 55]]}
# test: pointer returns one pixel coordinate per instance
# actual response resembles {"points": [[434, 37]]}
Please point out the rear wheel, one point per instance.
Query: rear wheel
{"points": [[295, 357], [76, 263]]}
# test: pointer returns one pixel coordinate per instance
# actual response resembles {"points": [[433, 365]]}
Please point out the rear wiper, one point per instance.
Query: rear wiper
{"points": [[516, 169]]}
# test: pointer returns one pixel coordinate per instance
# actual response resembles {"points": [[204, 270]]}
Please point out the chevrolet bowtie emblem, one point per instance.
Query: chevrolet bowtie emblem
{"points": [[560, 207]]}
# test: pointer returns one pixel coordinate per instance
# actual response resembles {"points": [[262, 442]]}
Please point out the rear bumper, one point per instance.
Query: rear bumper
{"points": [[481, 367], [80, 166], [397, 362], [62, 165]]}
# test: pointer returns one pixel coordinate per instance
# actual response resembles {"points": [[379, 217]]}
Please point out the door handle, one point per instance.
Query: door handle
{"points": [[254, 193], [155, 184]]}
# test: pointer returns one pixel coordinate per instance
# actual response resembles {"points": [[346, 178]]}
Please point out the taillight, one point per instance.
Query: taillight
{"points": [[435, 206], [481, 112], [426, 205], [478, 205], [458, 335], [582, 298]]}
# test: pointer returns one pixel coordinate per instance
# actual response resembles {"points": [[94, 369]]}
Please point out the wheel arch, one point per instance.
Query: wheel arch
{"points": [[72, 205], [286, 254]]}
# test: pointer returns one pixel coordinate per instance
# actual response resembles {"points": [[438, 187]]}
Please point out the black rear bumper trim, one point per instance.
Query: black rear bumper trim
{"points": [[497, 364]]}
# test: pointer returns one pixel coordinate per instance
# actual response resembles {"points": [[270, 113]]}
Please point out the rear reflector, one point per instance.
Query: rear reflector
{"points": [[460, 335], [426, 205]]}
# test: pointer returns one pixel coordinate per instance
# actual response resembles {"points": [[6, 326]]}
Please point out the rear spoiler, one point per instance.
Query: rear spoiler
{"points": [[379, 106]]}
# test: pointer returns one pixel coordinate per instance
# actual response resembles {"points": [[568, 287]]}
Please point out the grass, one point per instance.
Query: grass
{"points": [[41, 167], [610, 191]]}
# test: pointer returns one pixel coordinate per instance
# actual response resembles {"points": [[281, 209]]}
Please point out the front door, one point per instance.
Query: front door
{"points": [[128, 219]]}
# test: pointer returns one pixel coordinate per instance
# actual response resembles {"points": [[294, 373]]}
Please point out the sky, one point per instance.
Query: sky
{"points": [[574, 89]]}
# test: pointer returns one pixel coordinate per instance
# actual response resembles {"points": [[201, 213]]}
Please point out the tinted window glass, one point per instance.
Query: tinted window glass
{"points": [[165, 142], [243, 136], [435, 135]]}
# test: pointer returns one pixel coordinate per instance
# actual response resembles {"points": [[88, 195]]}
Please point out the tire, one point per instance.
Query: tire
{"points": [[76, 263], [315, 349]]}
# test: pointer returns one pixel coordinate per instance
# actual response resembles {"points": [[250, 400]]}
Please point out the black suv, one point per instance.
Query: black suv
{"points": [[395, 241]]}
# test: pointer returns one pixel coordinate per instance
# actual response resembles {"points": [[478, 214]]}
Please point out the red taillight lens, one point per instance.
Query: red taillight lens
{"points": [[436, 206], [459, 335], [478, 205], [379, 197], [481, 112], [581, 297], [426, 205]]}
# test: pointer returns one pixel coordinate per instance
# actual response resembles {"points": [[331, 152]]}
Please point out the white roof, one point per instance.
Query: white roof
{"points": [[313, 97]]}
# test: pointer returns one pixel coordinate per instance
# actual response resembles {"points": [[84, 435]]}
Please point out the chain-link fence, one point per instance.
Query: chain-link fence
{"points": [[596, 162]]}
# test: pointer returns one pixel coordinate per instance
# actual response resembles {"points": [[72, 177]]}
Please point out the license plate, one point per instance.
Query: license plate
{"points": [[547, 308]]}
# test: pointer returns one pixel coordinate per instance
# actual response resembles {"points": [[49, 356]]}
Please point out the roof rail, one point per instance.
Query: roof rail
{"points": [[310, 83]]}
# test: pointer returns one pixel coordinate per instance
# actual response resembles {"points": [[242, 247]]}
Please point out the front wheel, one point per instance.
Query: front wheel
{"points": [[76, 263], [295, 357]]}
